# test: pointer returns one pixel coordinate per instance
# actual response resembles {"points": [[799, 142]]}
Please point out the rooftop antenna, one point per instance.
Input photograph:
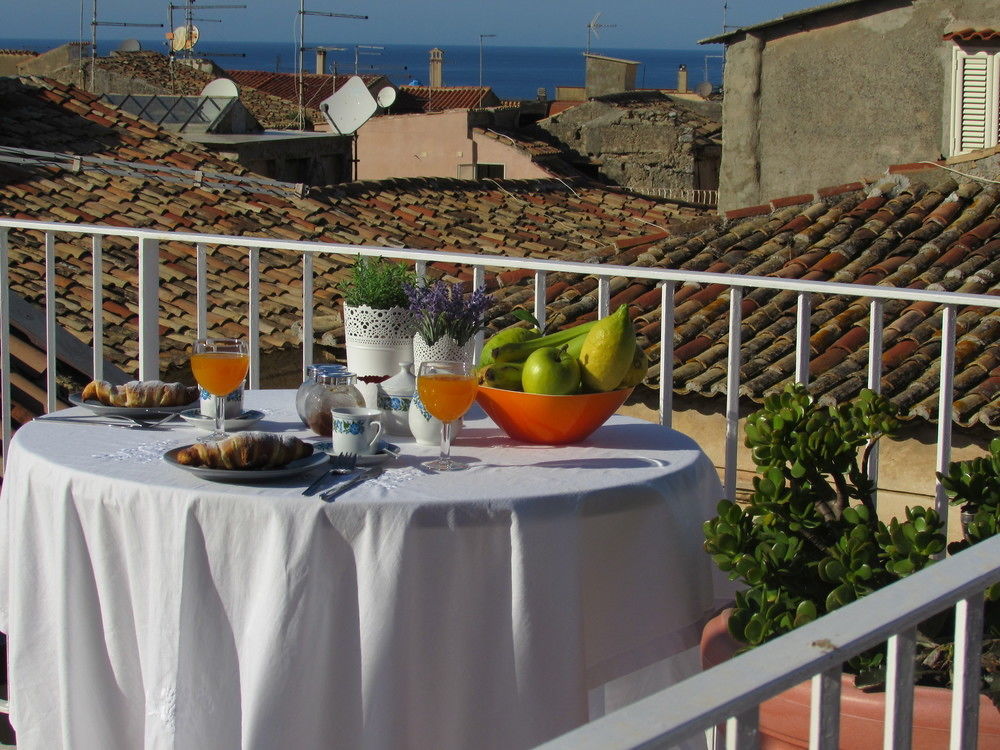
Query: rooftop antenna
{"points": [[94, 23], [357, 51], [300, 48], [183, 38], [593, 26]]}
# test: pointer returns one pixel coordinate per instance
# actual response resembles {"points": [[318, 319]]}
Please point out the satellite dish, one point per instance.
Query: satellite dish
{"points": [[222, 88], [129, 45], [386, 97], [703, 89], [349, 107], [185, 37]]}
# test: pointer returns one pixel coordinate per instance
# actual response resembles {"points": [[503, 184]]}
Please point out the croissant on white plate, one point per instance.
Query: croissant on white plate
{"points": [[140, 393], [246, 450]]}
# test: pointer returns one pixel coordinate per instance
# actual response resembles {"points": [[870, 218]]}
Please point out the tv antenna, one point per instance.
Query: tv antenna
{"points": [[94, 23], [300, 48], [183, 38], [593, 26], [357, 51]]}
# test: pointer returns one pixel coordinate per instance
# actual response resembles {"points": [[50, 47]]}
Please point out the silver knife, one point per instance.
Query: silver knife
{"points": [[369, 473]]}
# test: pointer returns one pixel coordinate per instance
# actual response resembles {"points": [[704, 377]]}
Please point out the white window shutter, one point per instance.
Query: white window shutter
{"points": [[975, 122]]}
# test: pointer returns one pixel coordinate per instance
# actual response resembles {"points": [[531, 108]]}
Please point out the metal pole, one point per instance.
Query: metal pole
{"points": [[481, 38]]}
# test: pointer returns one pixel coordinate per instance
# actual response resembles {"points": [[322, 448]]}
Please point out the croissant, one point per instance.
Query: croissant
{"points": [[140, 393], [246, 450]]}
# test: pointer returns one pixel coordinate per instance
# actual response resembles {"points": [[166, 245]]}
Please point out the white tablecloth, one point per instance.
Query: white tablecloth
{"points": [[146, 607]]}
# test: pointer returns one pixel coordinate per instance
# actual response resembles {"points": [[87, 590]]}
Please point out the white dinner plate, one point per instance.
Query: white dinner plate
{"points": [[247, 475], [379, 457], [126, 411], [244, 420]]}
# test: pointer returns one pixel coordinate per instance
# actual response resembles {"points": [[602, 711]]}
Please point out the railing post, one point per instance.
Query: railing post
{"points": [[824, 710], [898, 728], [966, 673], [742, 731], [201, 288], [733, 389], [603, 296], [97, 303], [307, 311], [149, 308], [5, 428], [478, 282], [874, 382], [51, 355], [945, 400], [667, 353], [253, 315], [803, 328], [540, 298]]}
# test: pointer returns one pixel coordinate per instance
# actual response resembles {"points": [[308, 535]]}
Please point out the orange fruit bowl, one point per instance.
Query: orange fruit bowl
{"points": [[549, 420]]}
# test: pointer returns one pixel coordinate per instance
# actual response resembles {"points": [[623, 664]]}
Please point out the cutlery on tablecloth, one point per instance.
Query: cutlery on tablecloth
{"points": [[110, 420], [342, 463], [363, 475]]}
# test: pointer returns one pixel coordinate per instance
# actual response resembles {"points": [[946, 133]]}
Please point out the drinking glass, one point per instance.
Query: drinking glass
{"points": [[219, 365], [447, 390]]}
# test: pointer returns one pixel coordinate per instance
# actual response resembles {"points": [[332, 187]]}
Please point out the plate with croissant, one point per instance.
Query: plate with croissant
{"points": [[247, 457], [137, 398]]}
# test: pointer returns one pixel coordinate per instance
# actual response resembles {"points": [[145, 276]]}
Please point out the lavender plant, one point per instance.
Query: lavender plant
{"points": [[443, 309]]}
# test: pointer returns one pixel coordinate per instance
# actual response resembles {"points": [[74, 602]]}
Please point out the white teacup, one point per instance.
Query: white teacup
{"points": [[355, 429]]}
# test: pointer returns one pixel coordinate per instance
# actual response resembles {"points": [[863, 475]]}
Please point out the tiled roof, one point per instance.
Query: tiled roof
{"points": [[433, 99], [315, 88], [541, 218], [178, 78], [974, 35]]}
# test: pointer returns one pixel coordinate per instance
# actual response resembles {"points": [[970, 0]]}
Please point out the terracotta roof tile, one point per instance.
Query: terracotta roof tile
{"points": [[973, 35]]}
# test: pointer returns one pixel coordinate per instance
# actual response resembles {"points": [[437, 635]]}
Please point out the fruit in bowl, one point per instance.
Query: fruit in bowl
{"points": [[549, 420], [531, 385]]}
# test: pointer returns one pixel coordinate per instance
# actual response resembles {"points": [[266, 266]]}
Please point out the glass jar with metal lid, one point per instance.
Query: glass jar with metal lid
{"points": [[309, 383], [332, 389]]}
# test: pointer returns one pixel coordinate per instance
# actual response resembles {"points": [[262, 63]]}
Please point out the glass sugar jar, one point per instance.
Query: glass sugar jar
{"points": [[302, 394], [333, 390]]}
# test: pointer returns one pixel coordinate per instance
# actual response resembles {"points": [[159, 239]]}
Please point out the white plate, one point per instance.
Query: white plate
{"points": [[247, 475], [126, 411], [379, 457], [244, 420]]}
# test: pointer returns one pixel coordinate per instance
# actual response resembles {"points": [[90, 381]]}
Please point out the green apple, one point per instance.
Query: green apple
{"points": [[552, 371]]}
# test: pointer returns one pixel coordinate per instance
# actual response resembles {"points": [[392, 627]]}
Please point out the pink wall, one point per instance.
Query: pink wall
{"points": [[433, 145]]}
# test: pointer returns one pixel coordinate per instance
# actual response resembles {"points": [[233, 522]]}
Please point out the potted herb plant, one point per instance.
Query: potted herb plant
{"points": [[378, 325], [808, 541]]}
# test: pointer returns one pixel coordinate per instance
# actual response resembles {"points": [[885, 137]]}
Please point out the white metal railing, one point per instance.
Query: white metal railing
{"points": [[731, 692], [147, 249]]}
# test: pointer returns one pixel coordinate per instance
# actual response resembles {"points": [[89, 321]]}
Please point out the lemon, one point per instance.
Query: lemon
{"points": [[637, 370], [607, 351]]}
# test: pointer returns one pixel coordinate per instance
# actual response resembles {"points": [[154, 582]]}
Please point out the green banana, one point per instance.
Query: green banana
{"points": [[518, 352], [509, 335], [504, 375]]}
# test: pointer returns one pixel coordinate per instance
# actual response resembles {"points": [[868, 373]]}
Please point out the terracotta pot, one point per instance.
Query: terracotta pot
{"points": [[784, 719]]}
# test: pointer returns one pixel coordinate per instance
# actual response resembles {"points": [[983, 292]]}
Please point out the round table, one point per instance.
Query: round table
{"points": [[148, 607]]}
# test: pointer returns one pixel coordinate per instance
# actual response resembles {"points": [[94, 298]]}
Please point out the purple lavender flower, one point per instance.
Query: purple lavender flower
{"points": [[443, 309]]}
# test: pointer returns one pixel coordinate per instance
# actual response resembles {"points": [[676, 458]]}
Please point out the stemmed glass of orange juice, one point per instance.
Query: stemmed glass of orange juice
{"points": [[447, 390], [219, 365]]}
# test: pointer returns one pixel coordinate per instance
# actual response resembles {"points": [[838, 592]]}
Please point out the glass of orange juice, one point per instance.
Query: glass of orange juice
{"points": [[219, 365], [447, 390]]}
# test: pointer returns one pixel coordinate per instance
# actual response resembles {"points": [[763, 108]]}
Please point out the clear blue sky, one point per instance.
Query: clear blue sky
{"points": [[671, 24]]}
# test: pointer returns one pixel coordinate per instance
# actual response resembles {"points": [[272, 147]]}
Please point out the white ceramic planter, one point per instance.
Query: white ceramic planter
{"points": [[377, 340], [445, 348]]}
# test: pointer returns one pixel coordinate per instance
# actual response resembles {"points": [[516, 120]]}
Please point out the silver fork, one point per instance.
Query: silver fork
{"points": [[342, 463]]}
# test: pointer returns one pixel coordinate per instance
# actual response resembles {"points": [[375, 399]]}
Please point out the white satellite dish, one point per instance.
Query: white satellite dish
{"points": [[184, 38], [221, 88], [386, 97], [349, 107], [129, 45]]}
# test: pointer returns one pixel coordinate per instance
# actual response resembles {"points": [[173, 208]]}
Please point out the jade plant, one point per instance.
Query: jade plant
{"points": [[808, 539]]}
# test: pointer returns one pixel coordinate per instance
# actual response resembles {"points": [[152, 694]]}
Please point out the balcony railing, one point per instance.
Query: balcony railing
{"points": [[147, 242]]}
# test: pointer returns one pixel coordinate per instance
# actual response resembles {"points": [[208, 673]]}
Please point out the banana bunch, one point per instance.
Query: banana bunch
{"points": [[602, 355]]}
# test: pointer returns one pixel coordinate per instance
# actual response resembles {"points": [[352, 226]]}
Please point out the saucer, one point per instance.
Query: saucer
{"points": [[199, 420], [385, 451]]}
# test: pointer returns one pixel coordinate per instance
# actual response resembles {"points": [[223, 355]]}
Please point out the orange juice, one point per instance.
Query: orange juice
{"points": [[219, 373], [446, 396]]}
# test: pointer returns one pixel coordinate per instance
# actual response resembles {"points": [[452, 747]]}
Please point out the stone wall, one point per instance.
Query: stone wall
{"points": [[639, 140]]}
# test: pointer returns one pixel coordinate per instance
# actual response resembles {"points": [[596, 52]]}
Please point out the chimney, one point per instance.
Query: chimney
{"points": [[437, 62], [682, 79], [320, 60]]}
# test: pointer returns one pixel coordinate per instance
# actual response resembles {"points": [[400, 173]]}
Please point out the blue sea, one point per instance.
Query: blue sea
{"points": [[513, 72]]}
